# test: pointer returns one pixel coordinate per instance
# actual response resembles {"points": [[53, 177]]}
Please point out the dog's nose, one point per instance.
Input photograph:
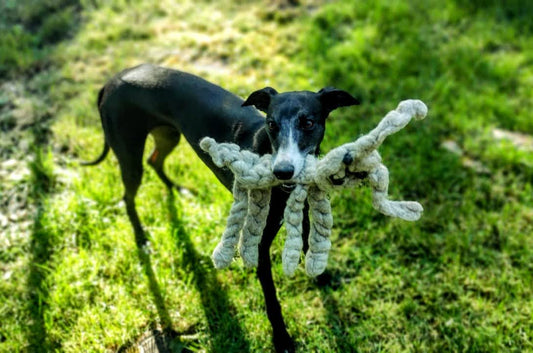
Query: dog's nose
{"points": [[283, 171]]}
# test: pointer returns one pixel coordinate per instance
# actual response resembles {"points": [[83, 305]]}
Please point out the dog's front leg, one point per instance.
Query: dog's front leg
{"points": [[282, 340]]}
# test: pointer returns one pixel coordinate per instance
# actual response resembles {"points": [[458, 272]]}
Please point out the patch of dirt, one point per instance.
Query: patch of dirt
{"points": [[24, 123], [518, 139], [14, 196], [467, 162]]}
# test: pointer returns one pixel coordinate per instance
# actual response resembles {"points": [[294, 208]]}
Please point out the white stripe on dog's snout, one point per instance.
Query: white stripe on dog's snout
{"points": [[290, 152]]}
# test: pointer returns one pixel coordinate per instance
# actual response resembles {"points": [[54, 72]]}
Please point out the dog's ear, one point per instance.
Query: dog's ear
{"points": [[261, 98], [332, 98]]}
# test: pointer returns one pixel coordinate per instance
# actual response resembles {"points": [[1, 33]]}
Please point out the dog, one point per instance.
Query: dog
{"points": [[168, 104]]}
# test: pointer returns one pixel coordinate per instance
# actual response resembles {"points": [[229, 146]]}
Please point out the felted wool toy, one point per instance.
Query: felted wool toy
{"points": [[344, 166]]}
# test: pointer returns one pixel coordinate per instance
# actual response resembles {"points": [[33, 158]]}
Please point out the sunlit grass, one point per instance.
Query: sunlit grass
{"points": [[457, 280]]}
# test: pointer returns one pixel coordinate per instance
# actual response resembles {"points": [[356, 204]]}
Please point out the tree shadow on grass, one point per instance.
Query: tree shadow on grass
{"points": [[38, 293], [42, 240], [31, 26], [226, 332]]}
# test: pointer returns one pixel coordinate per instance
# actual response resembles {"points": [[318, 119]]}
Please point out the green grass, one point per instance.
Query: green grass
{"points": [[458, 280]]}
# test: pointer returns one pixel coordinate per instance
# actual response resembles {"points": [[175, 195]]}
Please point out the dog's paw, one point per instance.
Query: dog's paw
{"points": [[283, 343]]}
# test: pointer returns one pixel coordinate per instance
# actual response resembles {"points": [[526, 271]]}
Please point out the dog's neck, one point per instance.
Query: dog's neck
{"points": [[262, 144]]}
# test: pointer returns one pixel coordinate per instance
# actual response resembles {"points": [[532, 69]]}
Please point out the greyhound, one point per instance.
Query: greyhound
{"points": [[166, 103]]}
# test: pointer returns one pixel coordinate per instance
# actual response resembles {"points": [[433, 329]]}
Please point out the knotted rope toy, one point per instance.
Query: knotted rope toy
{"points": [[343, 166]]}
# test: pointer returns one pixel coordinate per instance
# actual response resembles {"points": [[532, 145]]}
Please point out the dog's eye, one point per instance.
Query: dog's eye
{"points": [[307, 124], [271, 125]]}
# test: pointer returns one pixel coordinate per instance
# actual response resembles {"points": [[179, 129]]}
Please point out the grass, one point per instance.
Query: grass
{"points": [[458, 280]]}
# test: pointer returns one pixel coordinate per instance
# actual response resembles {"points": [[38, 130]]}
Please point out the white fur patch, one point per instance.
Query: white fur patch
{"points": [[290, 153]]}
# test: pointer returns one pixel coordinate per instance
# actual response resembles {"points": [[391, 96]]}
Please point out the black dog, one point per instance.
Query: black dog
{"points": [[167, 103]]}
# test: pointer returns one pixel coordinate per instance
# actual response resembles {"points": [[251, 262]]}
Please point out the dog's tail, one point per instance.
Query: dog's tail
{"points": [[106, 146], [100, 158]]}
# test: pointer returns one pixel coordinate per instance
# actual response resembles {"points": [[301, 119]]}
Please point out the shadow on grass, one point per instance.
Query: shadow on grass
{"points": [[38, 294], [515, 13], [168, 340], [226, 333], [338, 328], [144, 258], [327, 283], [42, 240], [30, 27], [162, 341]]}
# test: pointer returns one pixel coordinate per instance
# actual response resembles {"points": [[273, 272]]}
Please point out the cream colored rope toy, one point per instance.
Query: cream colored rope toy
{"points": [[341, 167]]}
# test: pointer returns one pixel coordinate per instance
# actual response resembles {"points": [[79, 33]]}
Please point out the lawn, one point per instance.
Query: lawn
{"points": [[458, 280]]}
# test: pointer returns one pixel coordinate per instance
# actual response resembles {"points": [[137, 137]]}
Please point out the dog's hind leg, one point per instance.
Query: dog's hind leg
{"points": [[166, 138], [129, 151]]}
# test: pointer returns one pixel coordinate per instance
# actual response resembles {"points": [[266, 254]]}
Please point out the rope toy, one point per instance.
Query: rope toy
{"points": [[344, 166]]}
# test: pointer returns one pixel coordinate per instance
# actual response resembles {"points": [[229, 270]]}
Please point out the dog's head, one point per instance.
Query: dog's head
{"points": [[295, 123]]}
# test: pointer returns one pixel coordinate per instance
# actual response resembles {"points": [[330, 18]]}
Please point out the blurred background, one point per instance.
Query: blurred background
{"points": [[458, 280]]}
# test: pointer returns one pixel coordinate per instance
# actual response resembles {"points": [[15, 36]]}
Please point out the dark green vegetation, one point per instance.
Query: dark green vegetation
{"points": [[458, 280]]}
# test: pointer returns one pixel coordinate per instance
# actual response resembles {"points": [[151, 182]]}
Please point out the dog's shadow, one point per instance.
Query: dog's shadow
{"points": [[226, 332], [166, 340]]}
